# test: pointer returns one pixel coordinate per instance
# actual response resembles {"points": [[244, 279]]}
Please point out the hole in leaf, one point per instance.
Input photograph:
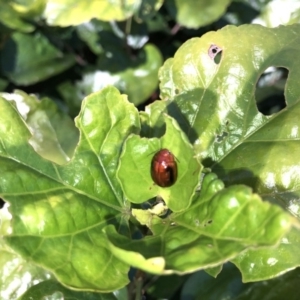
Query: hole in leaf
{"points": [[269, 93], [215, 53]]}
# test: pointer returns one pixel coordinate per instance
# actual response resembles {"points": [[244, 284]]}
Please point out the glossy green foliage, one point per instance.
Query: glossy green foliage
{"points": [[217, 110], [136, 162], [85, 211], [52, 290], [208, 232], [76, 214], [62, 224], [196, 13], [217, 99], [54, 135], [73, 12]]}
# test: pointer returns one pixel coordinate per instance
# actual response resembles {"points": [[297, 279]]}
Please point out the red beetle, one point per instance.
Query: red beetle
{"points": [[164, 168]]}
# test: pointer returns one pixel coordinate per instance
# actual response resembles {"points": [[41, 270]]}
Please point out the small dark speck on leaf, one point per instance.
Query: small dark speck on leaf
{"points": [[220, 137], [214, 52]]}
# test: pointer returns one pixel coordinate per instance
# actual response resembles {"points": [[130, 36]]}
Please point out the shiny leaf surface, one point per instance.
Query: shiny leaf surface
{"points": [[230, 135], [207, 234], [59, 211], [214, 104], [16, 274], [135, 168], [197, 13], [52, 290], [74, 12], [54, 135]]}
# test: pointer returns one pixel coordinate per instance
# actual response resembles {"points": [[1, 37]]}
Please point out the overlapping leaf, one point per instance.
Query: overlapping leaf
{"points": [[59, 211], [74, 217], [219, 224], [12, 13], [28, 59], [197, 13], [215, 105], [72, 12], [54, 135], [125, 73]]}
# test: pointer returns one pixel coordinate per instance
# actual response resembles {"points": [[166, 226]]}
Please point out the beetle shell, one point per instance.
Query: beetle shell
{"points": [[164, 168]]}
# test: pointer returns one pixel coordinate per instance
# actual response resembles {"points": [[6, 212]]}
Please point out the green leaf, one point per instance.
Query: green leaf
{"points": [[214, 104], [207, 234], [10, 17], [283, 287], [52, 290], [90, 33], [135, 175], [59, 211], [124, 72], [196, 13], [54, 135], [219, 112], [268, 263], [16, 274], [75, 12], [28, 59], [149, 8]]}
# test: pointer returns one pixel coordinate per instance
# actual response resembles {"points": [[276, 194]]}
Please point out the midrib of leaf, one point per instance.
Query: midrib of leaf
{"points": [[58, 180], [103, 168]]}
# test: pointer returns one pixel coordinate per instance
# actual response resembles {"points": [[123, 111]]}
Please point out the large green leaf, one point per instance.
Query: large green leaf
{"points": [[207, 234], [215, 105], [28, 59], [59, 211], [197, 13], [16, 274], [73, 219], [75, 12], [52, 290], [136, 161], [267, 263], [54, 135]]}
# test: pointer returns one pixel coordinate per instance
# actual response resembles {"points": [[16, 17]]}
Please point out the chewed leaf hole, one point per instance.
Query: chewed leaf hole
{"points": [[269, 93], [215, 53]]}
